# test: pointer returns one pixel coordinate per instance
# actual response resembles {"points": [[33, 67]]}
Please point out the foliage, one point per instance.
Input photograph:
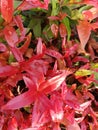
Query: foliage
{"points": [[48, 64]]}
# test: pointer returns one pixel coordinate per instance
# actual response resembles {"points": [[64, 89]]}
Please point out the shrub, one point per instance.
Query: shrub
{"points": [[48, 65]]}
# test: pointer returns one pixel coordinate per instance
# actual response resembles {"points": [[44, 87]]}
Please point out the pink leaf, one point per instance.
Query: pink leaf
{"points": [[25, 6], [13, 79], [40, 114], [39, 46], [53, 17], [54, 29], [39, 68], [83, 125], [29, 4], [74, 126], [87, 14], [2, 47], [18, 21], [20, 101], [17, 54], [8, 70], [10, 35], [94, 25], [53, 53], [84, 105], [56, 126], [84, 31], [91, 2], [53, 83], [80, 58], [57, 111], [69, 98], [29, 83]]}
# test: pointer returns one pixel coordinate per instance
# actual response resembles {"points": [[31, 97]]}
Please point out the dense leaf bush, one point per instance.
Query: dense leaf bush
{"points": [[49, 65]]}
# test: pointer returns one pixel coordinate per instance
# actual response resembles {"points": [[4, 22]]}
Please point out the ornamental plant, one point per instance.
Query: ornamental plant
{"points": [[48, 65]]}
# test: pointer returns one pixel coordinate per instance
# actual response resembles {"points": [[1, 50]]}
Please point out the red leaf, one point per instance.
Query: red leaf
{"points": [[7, 70], [10, 36], [17, 54], [40, 114], [91, 2], [12, 124], [20, 101], [53, 17], [84, 31], [18, 21], [53, 83], [94, 25], [29, 83], [29, 4], [62, 29], [56, 126], [70, 99], [53, 53], [80, 58], [7, 10], [57, 111], [25, 6], [2, 47], [25, 46]]}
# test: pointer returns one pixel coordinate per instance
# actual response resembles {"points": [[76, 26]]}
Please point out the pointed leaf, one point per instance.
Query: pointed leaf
{"points": [[7, 10], [63, 31], [54, 29], [2, 47], [20, 101], [56, 111], [12, 124], [24, 6], [29, 83], [8, 70], [29, 4], [91, 2], [18, 21], [68, 28], [10, 35], [17, 54], [74, 126], [53, 83], [53, 53], [84, 31], [83, 72], [25, 46], [39, 46]]}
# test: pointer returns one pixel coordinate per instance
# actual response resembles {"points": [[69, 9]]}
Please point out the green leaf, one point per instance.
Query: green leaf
{"points": [[86, 7], [55, 7], [94, 65], [11, 59], [66, 21], [76, 15], [17, 3], [83, 72], [96, 75], [47, 33], [35, 25], [66, 10]]}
